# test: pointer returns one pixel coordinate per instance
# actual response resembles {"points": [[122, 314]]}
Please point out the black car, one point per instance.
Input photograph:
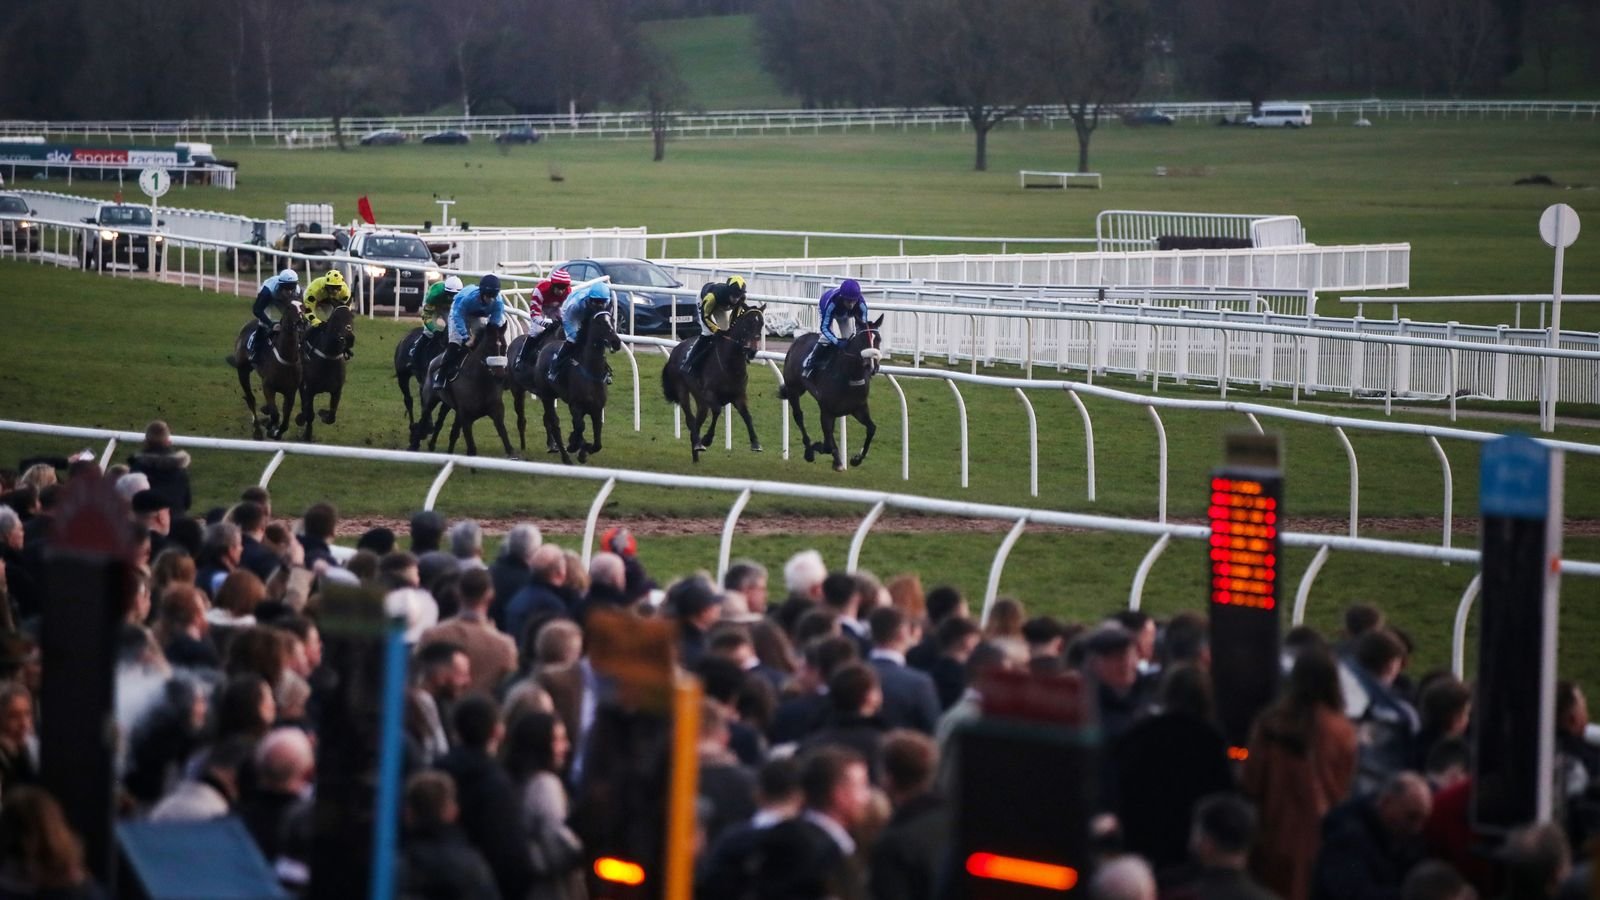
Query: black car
{"points": [[398, 270], [111, 242], [383, 137], [447, 137], [641, 311], [1147, 117], [18, 233], [525, 134]]}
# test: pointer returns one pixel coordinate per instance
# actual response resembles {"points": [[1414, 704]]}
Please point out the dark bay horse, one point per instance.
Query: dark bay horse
{"points": [[581, 385], [723, 378], [475, 393], [840, 388], [408, 365], [323, 369], [277, 361], [525, 354]]}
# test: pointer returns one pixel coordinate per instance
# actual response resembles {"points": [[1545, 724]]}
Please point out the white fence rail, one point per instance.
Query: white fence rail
{"points": [[1122, 229], [1541, 301]]}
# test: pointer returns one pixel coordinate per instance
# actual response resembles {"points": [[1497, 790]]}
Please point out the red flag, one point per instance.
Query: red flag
{"points": [[364, 206]]}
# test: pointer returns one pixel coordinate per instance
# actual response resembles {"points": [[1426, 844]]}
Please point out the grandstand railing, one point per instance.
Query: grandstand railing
{"points": [[875, 502]]}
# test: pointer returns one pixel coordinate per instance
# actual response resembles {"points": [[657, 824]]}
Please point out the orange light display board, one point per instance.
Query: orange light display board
{"points": [[1244, 542]]}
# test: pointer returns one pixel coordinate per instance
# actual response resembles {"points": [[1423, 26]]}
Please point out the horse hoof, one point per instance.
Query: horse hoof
{"points": [[583, 456], [755, 448], [327, 417], [699, 448], [301, 419], [811, 455], [856, 460]]}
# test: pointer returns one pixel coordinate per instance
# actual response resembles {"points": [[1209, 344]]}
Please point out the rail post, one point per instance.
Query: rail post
{"points": [[1033, 443], [437, 486], [1355, 479], [725, 548], [860, 537], [961, 410], [594, 518], [1161, 453], [998, 566], [1302, 594], [1458, 642], [1136, 593], [1088, 440]]}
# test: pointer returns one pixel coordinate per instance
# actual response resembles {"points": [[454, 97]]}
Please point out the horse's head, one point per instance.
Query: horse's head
{"points": [[603, 331], [865, 348], [491, 348], [748, 326], [293, 322], [342, 325]]}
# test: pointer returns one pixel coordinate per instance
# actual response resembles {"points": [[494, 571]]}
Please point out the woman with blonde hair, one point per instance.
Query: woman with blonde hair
{"points": [[38, 476], [1004, 629]]}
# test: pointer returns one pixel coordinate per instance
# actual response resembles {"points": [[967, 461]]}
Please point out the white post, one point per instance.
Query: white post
{"points": [[1559, 228]]}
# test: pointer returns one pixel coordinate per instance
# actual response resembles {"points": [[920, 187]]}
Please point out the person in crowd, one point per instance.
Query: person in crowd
{"points": [[841, 593], [731, 641], [1537, 860], [427, 530], [1370, 843], [1301, 763], [719, 305], [478, 301], [466, 544], [722, 680], [220, 552], [1125, 877], [166, 469], [542, 596], [150, 510], [214, 791], [748, 579], [812, 856], [399, 570], [318, 529], [696, 605], [18, 750], [491, 654], [234, 611], [910, 699], [512, 568], [251, 520], [841, 308], [1445, 710], [608, 586], [1432, 879], [958, 636], [377, 541], [909, 854], [1143, 628], [1113, 665], [774, 649], [906, 594], [1359, 620], [19, 584], [1387, 723], [855, 700], [491, 806], [535, 756], [1004, 629], [822, 622], [943, 603], [172, 566], [181, 629], [727, 788], [1224, 830], [443, 676], [438, 860], [1572, 722], [1043, 635], [621, 541], [722, 870], [285, 765], [1164, 764], [803, 575], [574, 691], [40, 855], [984, 656], [809, 707]]}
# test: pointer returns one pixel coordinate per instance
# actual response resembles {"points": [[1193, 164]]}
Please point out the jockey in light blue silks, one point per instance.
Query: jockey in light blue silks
{"points": [[480, 301], [579, 307]]}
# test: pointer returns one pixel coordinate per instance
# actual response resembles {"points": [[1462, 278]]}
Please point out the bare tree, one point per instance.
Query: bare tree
{"points": [[1454, 41], [663, 91], [1091, 54], [967, 55], [1548, 25]]}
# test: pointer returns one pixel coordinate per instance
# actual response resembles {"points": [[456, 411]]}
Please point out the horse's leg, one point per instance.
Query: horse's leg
{"points": [[742, 404], [518, 398], [575, 440], [498, 417], [405, 392], [864, 416], [250, 400], [466, 429], [332, 412], [715, 409], [552, 428], [289, 397], [694, 415], [800, 420], [440, 412], [594, 418], [306, 407], [829, 446]]}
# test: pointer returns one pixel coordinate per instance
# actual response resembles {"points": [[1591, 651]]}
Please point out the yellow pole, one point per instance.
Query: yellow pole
{"points": [[683, 789]]}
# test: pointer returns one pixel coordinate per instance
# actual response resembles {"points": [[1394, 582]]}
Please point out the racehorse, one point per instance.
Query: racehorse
{"points": [[475, 393], [581, 386], [323, 368], [721, 379], [277, 362], [407, 366], [840, 388], [524, 361]]}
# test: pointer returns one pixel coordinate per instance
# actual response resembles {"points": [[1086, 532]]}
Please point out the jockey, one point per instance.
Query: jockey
{"points": [[841, 304], [436, 306], [480, 301], [544, 301], [323, 296], [278, 291], [575, 313], [719, 305]]}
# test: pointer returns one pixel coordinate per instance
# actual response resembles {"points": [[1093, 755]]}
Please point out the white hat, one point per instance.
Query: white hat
{"points": [[289, 276], [453, 284]]}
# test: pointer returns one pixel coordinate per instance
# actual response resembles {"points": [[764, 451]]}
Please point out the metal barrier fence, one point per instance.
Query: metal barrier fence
{"points": [[1541, 301], [1120, 229]]}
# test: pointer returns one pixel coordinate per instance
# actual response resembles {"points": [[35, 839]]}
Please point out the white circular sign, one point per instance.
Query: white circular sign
{"points": [[1559, 225], [154, 182]]}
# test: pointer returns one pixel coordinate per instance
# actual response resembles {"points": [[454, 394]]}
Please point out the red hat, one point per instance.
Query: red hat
{"points": [[619, 541], [560, 276]]}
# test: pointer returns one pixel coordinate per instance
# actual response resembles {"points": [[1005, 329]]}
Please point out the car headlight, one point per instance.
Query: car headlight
{"points": [[107, 234], [24, 224], [160, 238], [375, 271], [434, 275]]}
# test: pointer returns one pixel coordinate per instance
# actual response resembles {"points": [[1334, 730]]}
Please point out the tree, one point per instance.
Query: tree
{"points": [[968, 57], [663, 91], [1091, 54], [1454, 42]]}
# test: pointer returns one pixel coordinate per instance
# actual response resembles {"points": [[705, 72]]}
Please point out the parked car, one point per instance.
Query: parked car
{"points": [[398, 268], [1140, 117], [641, 312], [523, 134], [112, 242], [383, 137], [449, 136], [18, 233]]}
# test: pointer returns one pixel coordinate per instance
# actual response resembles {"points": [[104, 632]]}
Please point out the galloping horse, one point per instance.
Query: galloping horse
{"points": [[277, 362], [722, 379], [840, 388], [581, 386], [323, 369], [524, 360], [409, 364], [475, 393]]}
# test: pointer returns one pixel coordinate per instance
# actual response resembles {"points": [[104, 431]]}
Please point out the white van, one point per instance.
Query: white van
{"points": [[1281, 115]]}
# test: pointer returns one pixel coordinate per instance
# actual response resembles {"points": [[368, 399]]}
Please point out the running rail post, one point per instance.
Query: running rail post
{"points": [[783, 408], [905, 429], [1355, 478], [438, 484], [1302, 594], [1161, 452], [1088, 440], [633, 363], [961, 409], [594, 518], [272, 466], [860, 537], [725, 548], [1449, 488], [105, 457], [1033, 443], [998, 566], [1136, 594], [1255, 423], [727, 432], [1458, 642]]}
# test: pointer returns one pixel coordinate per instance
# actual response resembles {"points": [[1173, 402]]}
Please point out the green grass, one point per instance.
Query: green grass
{"points": [[719, 62]]}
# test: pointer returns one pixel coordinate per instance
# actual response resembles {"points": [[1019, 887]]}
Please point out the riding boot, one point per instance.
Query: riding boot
{"points": [[818, 356], [449, 366], [562, 353], [697, 350]]}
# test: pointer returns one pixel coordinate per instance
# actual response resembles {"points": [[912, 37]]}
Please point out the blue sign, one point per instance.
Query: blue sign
{"points": [[1514, 478]]}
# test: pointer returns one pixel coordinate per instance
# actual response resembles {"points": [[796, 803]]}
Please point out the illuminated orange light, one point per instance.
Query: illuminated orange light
{"points": [[1022, 871], [1238, 754], [619, 871]]}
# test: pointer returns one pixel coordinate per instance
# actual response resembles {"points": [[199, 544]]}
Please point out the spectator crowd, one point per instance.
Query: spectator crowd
{"points": [[832, 713]]}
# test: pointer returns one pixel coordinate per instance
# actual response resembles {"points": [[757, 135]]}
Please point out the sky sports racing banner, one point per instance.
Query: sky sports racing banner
{"points": [[121, 157]]}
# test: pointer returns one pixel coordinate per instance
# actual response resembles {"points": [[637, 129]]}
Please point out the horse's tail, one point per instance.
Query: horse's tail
{"points": [[783, 391], [666, 382]]}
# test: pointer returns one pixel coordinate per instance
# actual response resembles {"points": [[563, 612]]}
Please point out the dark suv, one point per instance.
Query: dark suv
{"points": [[16, 231], [111, 242], [399, 270]]}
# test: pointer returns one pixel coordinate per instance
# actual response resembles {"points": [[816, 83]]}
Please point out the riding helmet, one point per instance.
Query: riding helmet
{"points": [[849, 289], [560, 278], [335, 278], [288, 278], [489, 285], [452, 285], [737, 283]]}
